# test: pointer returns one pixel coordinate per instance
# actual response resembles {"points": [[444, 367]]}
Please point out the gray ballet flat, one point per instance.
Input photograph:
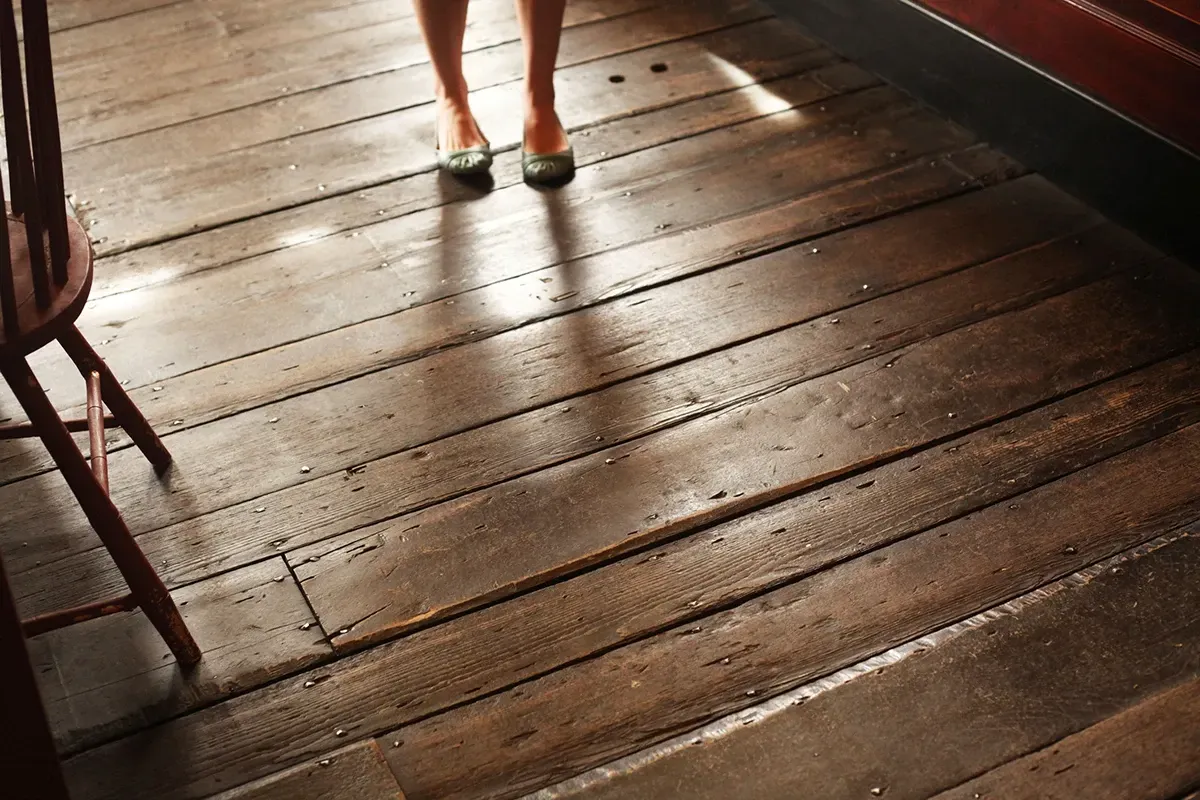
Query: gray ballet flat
{"points": [[468, 161], [548, 168]]}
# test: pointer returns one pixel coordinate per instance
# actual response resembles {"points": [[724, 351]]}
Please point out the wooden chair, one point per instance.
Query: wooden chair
{"points": [[45, 277]]}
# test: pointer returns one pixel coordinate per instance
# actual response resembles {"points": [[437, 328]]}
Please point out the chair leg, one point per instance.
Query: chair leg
{"points": [[143, 581], [115, 397]]}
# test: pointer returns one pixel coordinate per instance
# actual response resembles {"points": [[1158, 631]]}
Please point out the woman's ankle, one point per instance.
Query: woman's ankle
{"points": [[544, 131], [456, 125]]}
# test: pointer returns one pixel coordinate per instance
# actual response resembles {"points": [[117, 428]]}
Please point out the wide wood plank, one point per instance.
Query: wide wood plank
{"points": [[115, 674], [1019, 682], [373, 583], [93, 86], [106, 319], [98, 43], [424, 257], [381, 490], [554, 727], [357, 772], [528, 448], [1148, 751], [289, 228], [190, 143], [286, 55], [476, 654], [295, 227], [480, 653], [1117, 417], [196, 397], [155, 205], [189, 29], [199, 396], [60, 376], [297, 450], [73, 13]]}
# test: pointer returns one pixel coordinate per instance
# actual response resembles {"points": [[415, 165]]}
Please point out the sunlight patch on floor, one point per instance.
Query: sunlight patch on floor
{"points": [[760, 98]]}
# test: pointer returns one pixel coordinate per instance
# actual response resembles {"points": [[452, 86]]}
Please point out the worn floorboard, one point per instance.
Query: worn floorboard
{"points": [[478, 654], [548, 729], [340, 158], [629, 25], [377, 581], [1126, 644], [284, 228], [109, 316], [76, 13], [1160, 735], [479, 487], [281, 52], [436, 252], [282, 427], [505, 213], [388, 486], [358, 771], [115, 674]]}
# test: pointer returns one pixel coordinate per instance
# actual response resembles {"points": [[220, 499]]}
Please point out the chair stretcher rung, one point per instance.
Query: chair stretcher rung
{"points": [[70, 616], [22, 430]]}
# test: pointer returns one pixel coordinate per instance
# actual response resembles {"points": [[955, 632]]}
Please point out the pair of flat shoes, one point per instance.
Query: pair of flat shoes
{"points": [[539, 168]]}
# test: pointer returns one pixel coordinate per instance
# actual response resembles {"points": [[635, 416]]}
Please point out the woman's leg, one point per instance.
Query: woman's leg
{"points": [[443, 25], [541, 26]]}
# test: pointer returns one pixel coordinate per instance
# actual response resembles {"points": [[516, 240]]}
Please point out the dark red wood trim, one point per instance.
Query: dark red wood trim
{"points": [[1188, 9], [1106, 55], [1170, 30]]}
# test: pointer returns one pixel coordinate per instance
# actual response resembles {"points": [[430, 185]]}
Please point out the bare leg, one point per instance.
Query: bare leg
{"points": [[443, 25], [541, 27]]}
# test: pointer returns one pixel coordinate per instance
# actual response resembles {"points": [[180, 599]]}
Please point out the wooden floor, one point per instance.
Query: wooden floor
{"points": [[798, 405]]}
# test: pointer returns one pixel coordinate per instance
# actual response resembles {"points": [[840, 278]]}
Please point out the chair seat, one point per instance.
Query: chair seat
{"points": [[40, 326]]}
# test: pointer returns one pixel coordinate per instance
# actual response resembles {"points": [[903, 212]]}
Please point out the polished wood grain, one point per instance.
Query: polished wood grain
{"points": [[1188, 9], [31, 765], [38, 325], [1170, 27]]}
